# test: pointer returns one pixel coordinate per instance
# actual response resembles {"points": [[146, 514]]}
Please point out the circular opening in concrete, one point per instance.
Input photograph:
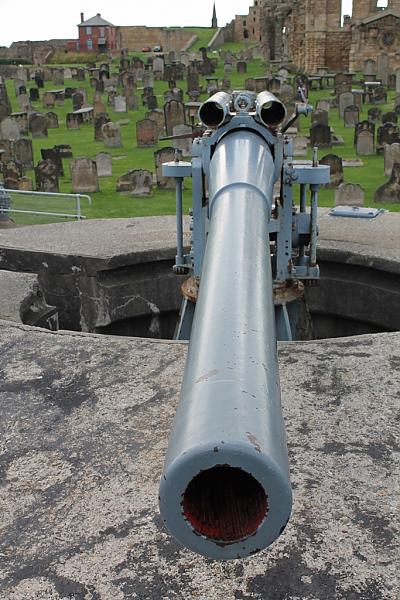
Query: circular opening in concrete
{"points": [[225, 504]]}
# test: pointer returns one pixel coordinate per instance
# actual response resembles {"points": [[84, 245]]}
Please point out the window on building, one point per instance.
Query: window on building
{"points": [[382, 4], [246, 34], [253, 31], [89, 44], [244, 23], [102, 32], [88, 30]]}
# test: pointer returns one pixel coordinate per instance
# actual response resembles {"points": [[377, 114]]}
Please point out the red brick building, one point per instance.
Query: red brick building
{"points": [[96, 35]]}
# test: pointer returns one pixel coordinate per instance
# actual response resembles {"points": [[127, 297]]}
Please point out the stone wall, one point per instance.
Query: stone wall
{"points": [[135, 37]]}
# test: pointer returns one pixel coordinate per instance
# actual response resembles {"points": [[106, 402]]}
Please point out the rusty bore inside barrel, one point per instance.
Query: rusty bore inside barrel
{"points": [[225, 504]]}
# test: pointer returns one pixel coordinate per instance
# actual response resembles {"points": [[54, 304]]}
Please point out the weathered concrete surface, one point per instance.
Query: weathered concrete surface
{"points": [[15, 288], [84, 422]]}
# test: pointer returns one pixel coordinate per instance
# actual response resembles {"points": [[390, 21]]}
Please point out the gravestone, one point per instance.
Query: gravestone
{"points": [[58, 77], [374, 114], [21, 120], [387, 134], [77, 101], [364, 138], [349, 194], [48, 100], [9, 129], [351, 116], [104, 164], [183, 144], [390, 191], [300, 144], [336, 165], [345, 99], [137, 182], [320, 117], [73, 120], [100, 120], [84, 176], [23, 102], [390, 117], [34, 94], [320, 135], [81, 74], [162, 156], [46, 177], [174, 113], [52, 120], [99, 108], [152, 102], [157, 115], [23, 152], [65, 150], [12, 171], [324, 105], [250, 84], [132, 101], [146, 133], [112, 135], [379, 96], [38, 125], [7, 151], [391, 154], [54, 156], [241, 66], [158, 65], [369, 68], [120, 104], [193, 82]]}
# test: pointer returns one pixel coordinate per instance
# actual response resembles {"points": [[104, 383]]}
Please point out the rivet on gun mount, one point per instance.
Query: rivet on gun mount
{"points": [[225, 491]]}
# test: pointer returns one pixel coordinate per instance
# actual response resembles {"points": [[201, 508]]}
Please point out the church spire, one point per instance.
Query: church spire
{"points": [[214, 22]]}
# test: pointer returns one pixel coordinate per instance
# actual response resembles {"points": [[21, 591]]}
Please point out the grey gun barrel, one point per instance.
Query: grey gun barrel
{"points": [[225, 491]]}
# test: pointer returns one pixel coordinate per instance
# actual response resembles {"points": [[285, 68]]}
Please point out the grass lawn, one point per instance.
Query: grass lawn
{"points": [[108, 203]]}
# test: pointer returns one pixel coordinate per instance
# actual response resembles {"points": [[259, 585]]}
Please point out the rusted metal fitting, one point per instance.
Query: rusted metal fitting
{"points": [[288, 292], [190, 289]]}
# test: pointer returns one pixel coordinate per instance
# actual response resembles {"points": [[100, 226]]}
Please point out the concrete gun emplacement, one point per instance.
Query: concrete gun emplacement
{"points": [[225, 491]]}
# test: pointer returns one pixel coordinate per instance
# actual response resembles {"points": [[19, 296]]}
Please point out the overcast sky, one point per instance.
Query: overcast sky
{"points": [[47, 19]]}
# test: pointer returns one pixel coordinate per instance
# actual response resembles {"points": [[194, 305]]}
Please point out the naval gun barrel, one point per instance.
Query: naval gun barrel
{"points": [[225, 491]]}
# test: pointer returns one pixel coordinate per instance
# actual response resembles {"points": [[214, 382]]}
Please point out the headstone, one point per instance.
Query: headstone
{"points": [[52, 120], [183, 144], [146, 133], [54, 156], [104, 164], [132, 101], [351, 116], [38, 125], [320, 135], [9, 129], [391, 154], [193, 82], [58, 77], [336, 165], [77, 101], [324, 105], [99, 121], [73, 120], [320, 117], [23, 102], [48, 100], [374, 114], [241, 66], [120, 104], [12, 171], [34, 94], [157, 115], [137, 182], [369, 68], [99, 108], [390, 117], [250, 84], [7, 151], [364, 139], [349, 194], [84, 176], [46, 177], [23, 152], [380, 95], [21, 120], [300, 146], [390, 191], [387, 134], [152, 102], [158, 65], [65, 150], [162, 156], [112, 135], [286, 93], [345, 99], [174, 112]]}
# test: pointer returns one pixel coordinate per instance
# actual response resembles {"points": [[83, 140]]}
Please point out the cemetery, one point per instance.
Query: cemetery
{"points": [[205, 217]]}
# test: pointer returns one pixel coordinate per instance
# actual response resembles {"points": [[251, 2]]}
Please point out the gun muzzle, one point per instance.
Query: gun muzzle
{"points": [[270, 110], [225, 491], [215, 111]]}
